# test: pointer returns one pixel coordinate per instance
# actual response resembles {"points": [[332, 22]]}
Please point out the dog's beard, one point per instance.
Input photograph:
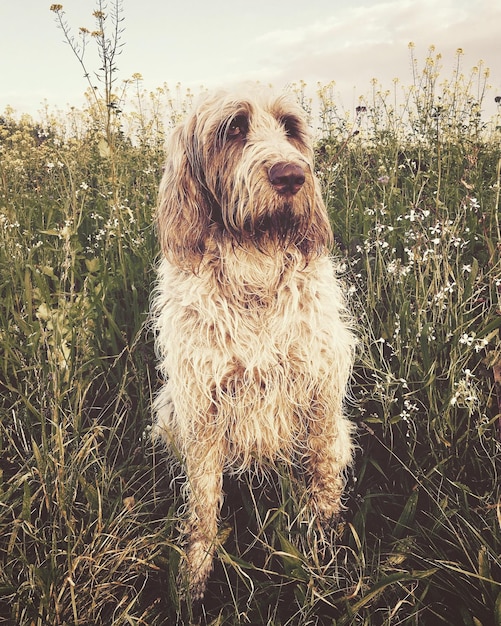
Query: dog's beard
{"points": [[281, 226]]}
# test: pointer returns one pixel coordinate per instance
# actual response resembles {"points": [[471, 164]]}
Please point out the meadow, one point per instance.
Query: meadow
{"points": [[89, 509]]}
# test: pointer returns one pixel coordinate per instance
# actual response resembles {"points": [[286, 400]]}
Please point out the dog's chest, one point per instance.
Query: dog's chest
{"points": [[253, 319], [253, 357]]}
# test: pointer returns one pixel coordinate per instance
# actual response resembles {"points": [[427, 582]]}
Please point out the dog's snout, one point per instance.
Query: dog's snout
{"points": [[286, 178]]}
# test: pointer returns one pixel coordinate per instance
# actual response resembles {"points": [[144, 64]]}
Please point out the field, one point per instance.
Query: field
{"points": [[89, 511]]}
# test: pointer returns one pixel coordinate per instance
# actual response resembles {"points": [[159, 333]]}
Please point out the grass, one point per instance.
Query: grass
{"points": [[88, 508]]}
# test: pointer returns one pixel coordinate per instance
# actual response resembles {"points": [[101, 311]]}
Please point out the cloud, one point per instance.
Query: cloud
{"points": [[231, 42], [359, 43]]}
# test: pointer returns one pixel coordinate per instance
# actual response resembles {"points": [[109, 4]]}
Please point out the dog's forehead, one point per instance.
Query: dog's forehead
{"points": [[278, 107], [223, 107]]}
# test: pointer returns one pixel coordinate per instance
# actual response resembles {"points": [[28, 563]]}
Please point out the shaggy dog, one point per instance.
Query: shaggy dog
{"points": [[253, 340]]}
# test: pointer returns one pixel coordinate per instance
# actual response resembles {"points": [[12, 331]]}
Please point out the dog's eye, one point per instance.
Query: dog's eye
{"points": [[292, 127], [238, 127]]}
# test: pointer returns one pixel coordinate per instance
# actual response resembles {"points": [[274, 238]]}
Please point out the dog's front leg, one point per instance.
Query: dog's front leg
{"points": [[330, 452], [205, 479]]}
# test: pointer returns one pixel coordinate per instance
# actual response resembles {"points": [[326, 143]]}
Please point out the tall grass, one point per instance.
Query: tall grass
{"points": [[88, 509]]}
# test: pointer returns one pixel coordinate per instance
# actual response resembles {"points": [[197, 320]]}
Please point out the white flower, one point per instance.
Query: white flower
{"points": [[480, 344], [466, 339]]}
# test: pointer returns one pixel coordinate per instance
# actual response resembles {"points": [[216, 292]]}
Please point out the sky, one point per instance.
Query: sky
{"points": [[214, 43]]}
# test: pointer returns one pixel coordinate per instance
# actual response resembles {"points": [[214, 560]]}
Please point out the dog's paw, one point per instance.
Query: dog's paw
{"points": [[327, 506], [194, 572]]}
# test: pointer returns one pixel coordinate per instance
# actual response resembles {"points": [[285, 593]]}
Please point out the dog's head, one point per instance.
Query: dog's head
{"points": [[241, 168]]}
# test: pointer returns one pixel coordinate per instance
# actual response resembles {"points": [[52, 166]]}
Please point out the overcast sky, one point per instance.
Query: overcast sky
{"points": [[220, 42]]}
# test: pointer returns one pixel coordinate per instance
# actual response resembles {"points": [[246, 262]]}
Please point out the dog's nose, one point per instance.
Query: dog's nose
{"points": [[286, 178]]}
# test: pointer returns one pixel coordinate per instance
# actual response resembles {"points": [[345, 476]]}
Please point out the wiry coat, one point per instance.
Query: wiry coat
{"points": [[253, 339]]}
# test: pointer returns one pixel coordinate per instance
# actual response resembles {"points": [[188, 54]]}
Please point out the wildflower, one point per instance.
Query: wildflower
{"points": [[466, 339], [457, 242], [410, 406], [383, 180], [465, 393], [474, 203], [392, 267], [56, 7], [43, 312], [480, 344], [410, 254]]}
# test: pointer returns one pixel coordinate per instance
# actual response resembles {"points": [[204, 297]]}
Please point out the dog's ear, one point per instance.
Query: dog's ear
{"points": [[320, 227], [182, 213], [317, 234]]}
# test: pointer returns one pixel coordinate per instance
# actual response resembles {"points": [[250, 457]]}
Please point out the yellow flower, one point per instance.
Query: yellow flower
{"points": [[56, 7], [43, 312]]}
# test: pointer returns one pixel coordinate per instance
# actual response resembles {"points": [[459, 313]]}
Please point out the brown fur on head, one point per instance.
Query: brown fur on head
{"points": [[216, 185]]}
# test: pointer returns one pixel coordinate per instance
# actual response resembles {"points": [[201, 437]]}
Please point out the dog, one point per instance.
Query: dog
{"points": [[254, 342]]}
